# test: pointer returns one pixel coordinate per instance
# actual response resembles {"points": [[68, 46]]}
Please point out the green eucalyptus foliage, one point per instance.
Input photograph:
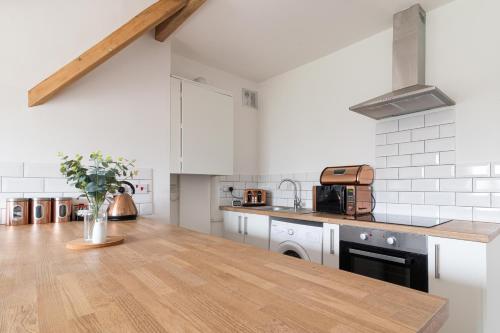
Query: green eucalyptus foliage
{"points": [[101, 176]]}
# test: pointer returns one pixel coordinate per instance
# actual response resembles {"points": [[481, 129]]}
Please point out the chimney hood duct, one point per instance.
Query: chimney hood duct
{"points": [[410, 94]]}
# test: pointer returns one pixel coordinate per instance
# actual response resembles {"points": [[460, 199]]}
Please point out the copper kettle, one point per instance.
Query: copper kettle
{"points": [[122, 206]]}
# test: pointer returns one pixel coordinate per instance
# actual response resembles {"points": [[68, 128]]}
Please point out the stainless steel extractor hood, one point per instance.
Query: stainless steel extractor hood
{"points": [[409, 92]]}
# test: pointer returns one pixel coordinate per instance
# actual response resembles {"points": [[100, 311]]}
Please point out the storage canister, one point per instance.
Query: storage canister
{"points": [[62, 210], [41, 210], [17, 211]]}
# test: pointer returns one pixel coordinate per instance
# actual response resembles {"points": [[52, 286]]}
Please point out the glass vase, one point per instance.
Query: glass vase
{"points": [[95, 225]]}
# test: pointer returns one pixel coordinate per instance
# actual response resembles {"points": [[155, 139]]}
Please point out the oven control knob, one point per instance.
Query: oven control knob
{"points": [[391, 240], [290, 232], [363, 236]]}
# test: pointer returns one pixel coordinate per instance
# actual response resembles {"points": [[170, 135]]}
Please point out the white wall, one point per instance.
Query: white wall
{"points": [[305, 123], [245, 119], [121, 108]]}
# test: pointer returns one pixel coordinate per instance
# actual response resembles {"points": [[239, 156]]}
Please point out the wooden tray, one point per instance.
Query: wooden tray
{"points": [[80, 244]]}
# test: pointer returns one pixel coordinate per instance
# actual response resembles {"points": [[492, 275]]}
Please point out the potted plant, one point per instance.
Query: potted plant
{"points": [[102, 176]]}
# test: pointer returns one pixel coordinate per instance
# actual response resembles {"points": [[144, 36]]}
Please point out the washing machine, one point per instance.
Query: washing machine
{"points": [[300, 239]]}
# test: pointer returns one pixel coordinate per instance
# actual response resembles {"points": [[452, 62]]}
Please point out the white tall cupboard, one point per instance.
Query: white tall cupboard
{"points": [[202, 123]]}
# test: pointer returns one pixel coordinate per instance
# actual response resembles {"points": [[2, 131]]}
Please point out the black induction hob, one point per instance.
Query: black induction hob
{"points": [[416, 221]]}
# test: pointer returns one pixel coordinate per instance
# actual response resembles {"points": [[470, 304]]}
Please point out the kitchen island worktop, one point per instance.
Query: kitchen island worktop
{"points": [[483, 232], [169, 279]]}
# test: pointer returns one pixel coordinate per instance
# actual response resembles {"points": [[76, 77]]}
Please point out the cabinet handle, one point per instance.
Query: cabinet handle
{"points": [[245, 225], [239, 224], [332, 241], [437, 274]]}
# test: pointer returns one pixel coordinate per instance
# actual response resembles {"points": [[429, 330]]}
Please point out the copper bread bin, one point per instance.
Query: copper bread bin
{"points": [[254, 197], [347, 175], [17, 211]]}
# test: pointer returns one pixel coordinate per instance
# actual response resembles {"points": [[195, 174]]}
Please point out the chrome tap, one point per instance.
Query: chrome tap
{"points": [[296, 199]]}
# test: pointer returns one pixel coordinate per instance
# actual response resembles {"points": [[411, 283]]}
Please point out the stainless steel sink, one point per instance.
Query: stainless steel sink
{"points": [[284, 209]]}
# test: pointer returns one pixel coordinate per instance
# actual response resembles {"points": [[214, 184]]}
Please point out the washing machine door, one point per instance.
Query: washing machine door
{"points": [[293, 249]]}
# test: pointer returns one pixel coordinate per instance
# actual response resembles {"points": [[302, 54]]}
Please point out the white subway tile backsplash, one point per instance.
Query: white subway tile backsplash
{"points": [[43, 195], [398, 185], [380, 162], [58, 185], [22, 185], [379, 185], [447, 157], [454, 212], [440, 198], [411, 122], [386, 126], [495, 169], [143, 198], [425, 159], [486, 214], [411, 148], [456, 185], [386, 150], [440, 171], [46, 170], [486, 185], [495, 199], [473, 170], [389, 173], [399, 209], [473, 199], [398, 161], [380, 139], [398, 137], [11, 169], [440, 117], [425, 185], [144, 173], [146, 209], [437, 145], [411, 173], [425, 133], [411, 197], [387, 197], [446, 131], [425, 210], [380, 208]]}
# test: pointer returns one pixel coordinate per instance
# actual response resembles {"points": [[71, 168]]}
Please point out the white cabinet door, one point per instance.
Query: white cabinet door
{"points": [[256, 230], [233, 226], [331, 244], [175, 125], [457, 271], [207, 131]]}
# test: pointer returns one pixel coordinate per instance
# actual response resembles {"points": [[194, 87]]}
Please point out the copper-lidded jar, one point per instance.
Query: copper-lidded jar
{"points": [[41, 210], [17, 211], [62, 209]]}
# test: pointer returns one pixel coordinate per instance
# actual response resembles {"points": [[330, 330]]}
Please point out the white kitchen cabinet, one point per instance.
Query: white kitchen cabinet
{"points": [[201, 129], [175, 125], [331, 245], [467, 274], [247, 228]]}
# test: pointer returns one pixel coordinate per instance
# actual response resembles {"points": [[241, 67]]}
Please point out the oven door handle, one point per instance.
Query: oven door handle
{"points": [[378, 256]]}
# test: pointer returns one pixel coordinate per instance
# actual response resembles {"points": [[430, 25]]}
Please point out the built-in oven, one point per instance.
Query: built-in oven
{"points": [[398, 258]]}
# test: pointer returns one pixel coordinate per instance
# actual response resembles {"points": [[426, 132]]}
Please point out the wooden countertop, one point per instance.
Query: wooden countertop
{"points": [[483, 232], [168, 279]]}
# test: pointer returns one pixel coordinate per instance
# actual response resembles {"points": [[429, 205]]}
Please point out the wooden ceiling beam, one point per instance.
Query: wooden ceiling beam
{"points": [[105, 49], [167, 27]]}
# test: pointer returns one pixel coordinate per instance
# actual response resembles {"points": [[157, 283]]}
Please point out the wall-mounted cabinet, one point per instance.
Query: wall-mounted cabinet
{"points": [[201, 129]]}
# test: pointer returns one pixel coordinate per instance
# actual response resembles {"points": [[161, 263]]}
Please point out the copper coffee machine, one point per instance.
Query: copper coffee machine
{"points": [[345, 190]]}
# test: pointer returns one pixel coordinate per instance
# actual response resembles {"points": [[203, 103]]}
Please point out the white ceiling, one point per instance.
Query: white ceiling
{"points": [[258, 39]]}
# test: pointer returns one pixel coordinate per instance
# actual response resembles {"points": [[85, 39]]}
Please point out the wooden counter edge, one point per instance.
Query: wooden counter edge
{"points": [[445, 230]]}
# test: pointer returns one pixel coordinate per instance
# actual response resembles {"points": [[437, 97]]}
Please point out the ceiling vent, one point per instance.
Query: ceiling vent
{"points": [[250, 99]]}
